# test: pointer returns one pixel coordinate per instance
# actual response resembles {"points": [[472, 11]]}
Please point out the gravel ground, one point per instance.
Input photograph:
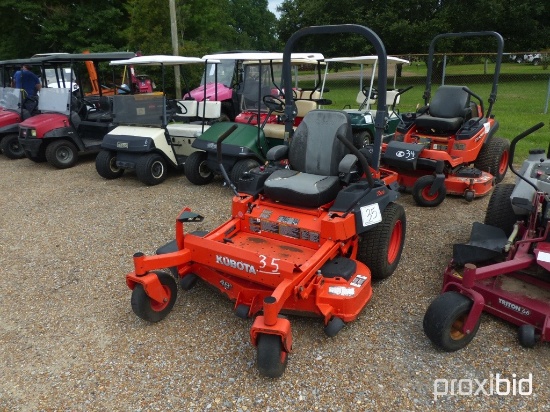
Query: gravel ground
{"points": [[69, 340]]}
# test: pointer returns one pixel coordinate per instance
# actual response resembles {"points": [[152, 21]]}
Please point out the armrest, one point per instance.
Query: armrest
{"points": [[278, 152]]}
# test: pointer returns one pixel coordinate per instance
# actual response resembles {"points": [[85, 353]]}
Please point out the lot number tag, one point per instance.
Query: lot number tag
{"points": [[371, 214]]}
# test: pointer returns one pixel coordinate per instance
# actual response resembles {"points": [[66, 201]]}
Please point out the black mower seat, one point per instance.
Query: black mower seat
{"points": [[448, 110], [314, 155]]}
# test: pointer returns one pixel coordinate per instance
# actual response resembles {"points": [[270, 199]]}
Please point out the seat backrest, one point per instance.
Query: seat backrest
{"points": [[390, 96], [449, 101], [188, 108], [212, 109], [105, 104], [314, 148], [303, 107]]}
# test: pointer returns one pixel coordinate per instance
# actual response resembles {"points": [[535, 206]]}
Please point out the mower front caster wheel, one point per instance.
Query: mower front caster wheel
{"points": [[527, 336], [444, 321], [272, 357], [421, 192], [149, 309]]}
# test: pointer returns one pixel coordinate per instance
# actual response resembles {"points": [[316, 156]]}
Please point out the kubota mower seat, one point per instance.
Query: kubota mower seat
{"points": [[314, 156], [448, 110]]}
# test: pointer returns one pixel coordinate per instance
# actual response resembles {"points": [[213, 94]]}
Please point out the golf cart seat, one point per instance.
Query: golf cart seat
{"points": [[448, 110], [103, 111], [208, 110], [314, 157]]}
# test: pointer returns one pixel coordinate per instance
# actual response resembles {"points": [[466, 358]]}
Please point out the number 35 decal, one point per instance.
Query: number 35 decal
{"points": [[270, 268]]}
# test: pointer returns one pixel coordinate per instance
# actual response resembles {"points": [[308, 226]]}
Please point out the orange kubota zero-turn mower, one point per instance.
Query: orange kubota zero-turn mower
{"points": [[449, 146], [303, 239]]}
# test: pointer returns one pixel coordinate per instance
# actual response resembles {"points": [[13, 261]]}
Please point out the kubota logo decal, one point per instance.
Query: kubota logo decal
{"points": [[235, 264]]}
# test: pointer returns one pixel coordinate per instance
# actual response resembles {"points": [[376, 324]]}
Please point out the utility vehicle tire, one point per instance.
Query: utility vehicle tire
{"points": [[527, 336], [444, 319], [105, 164], [62, 154], [493, 158], [362, 139], [196, 169], [241, 167], [151, 169], [150, 310], [272, 358], [380, 248], [421, 192], [11, 148], [499, 210]]}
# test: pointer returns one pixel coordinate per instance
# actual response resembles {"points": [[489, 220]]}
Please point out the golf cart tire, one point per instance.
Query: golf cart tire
{"points": [[527, 336], [444, 319], [493, 158], [149, 310], [151, 169], [421, 190], [380, 248], [196, 169], [11, 148], [362, 139], [105, 164], [241, 167], [62, 154], [272, 358], [500, 212]]}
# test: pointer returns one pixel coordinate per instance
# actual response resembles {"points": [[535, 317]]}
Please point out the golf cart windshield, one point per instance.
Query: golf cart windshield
{"points": [[10, 98], [60, 77], [226, 69], [140, 109], [55, 100], [258, 83]]}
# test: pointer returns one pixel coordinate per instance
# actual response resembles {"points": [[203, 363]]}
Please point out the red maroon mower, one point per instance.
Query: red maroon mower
{"points": [[306, 239]]}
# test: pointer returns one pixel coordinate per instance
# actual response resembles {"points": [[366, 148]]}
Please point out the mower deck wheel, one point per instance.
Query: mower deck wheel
{"points": [[11, 148], [188, 281], [527, 336], [62, 154], [150, 310], [444, 320], [197, 170], [242, 311], [334, 326], [105, 164], [421, 192], [380, 248], [272, 358], [151, 169]]}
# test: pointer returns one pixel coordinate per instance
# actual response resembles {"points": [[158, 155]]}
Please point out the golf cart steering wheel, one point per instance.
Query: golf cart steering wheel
{"points": [[374, 92], [273, 103]]}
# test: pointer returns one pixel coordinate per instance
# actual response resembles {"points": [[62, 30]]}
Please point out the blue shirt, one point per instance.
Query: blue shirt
{"points": [[27, 80]]}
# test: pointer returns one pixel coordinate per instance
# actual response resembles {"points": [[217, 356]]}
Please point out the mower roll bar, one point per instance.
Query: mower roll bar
{"points": [[370, 35], [500, 48], [513, 144]]}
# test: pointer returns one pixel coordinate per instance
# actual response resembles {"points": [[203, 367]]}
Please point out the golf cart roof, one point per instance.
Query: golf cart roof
{"points": [[30, 60], [67, 57], [266, 56], [366, 60], [159, 59]]}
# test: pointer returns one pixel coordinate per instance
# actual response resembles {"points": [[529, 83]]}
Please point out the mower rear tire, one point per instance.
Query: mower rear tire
{"points": [[500, 212], [11, 148], [421, 192], [362, 139], [197, 170], [105, 164], [445, 318], [527, 336], [151, 169], [241, 167], [380, 248], [61, 154], [272, 358], [493, 158], [150, 310]]}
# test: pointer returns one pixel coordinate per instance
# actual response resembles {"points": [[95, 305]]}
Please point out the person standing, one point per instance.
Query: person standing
{"points": [[27, 80]]}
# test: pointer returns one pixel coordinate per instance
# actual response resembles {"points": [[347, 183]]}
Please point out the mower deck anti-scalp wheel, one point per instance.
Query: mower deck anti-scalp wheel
{"points": [[151, 169], [61, 154], [493, 158], [197, 170], [380, 248], [334, 326], [105, 164], [150, 310], [421, 192], [527, 336], [11, 148], [188, 281], [272, 358], [444, 320], [241, 167]]}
